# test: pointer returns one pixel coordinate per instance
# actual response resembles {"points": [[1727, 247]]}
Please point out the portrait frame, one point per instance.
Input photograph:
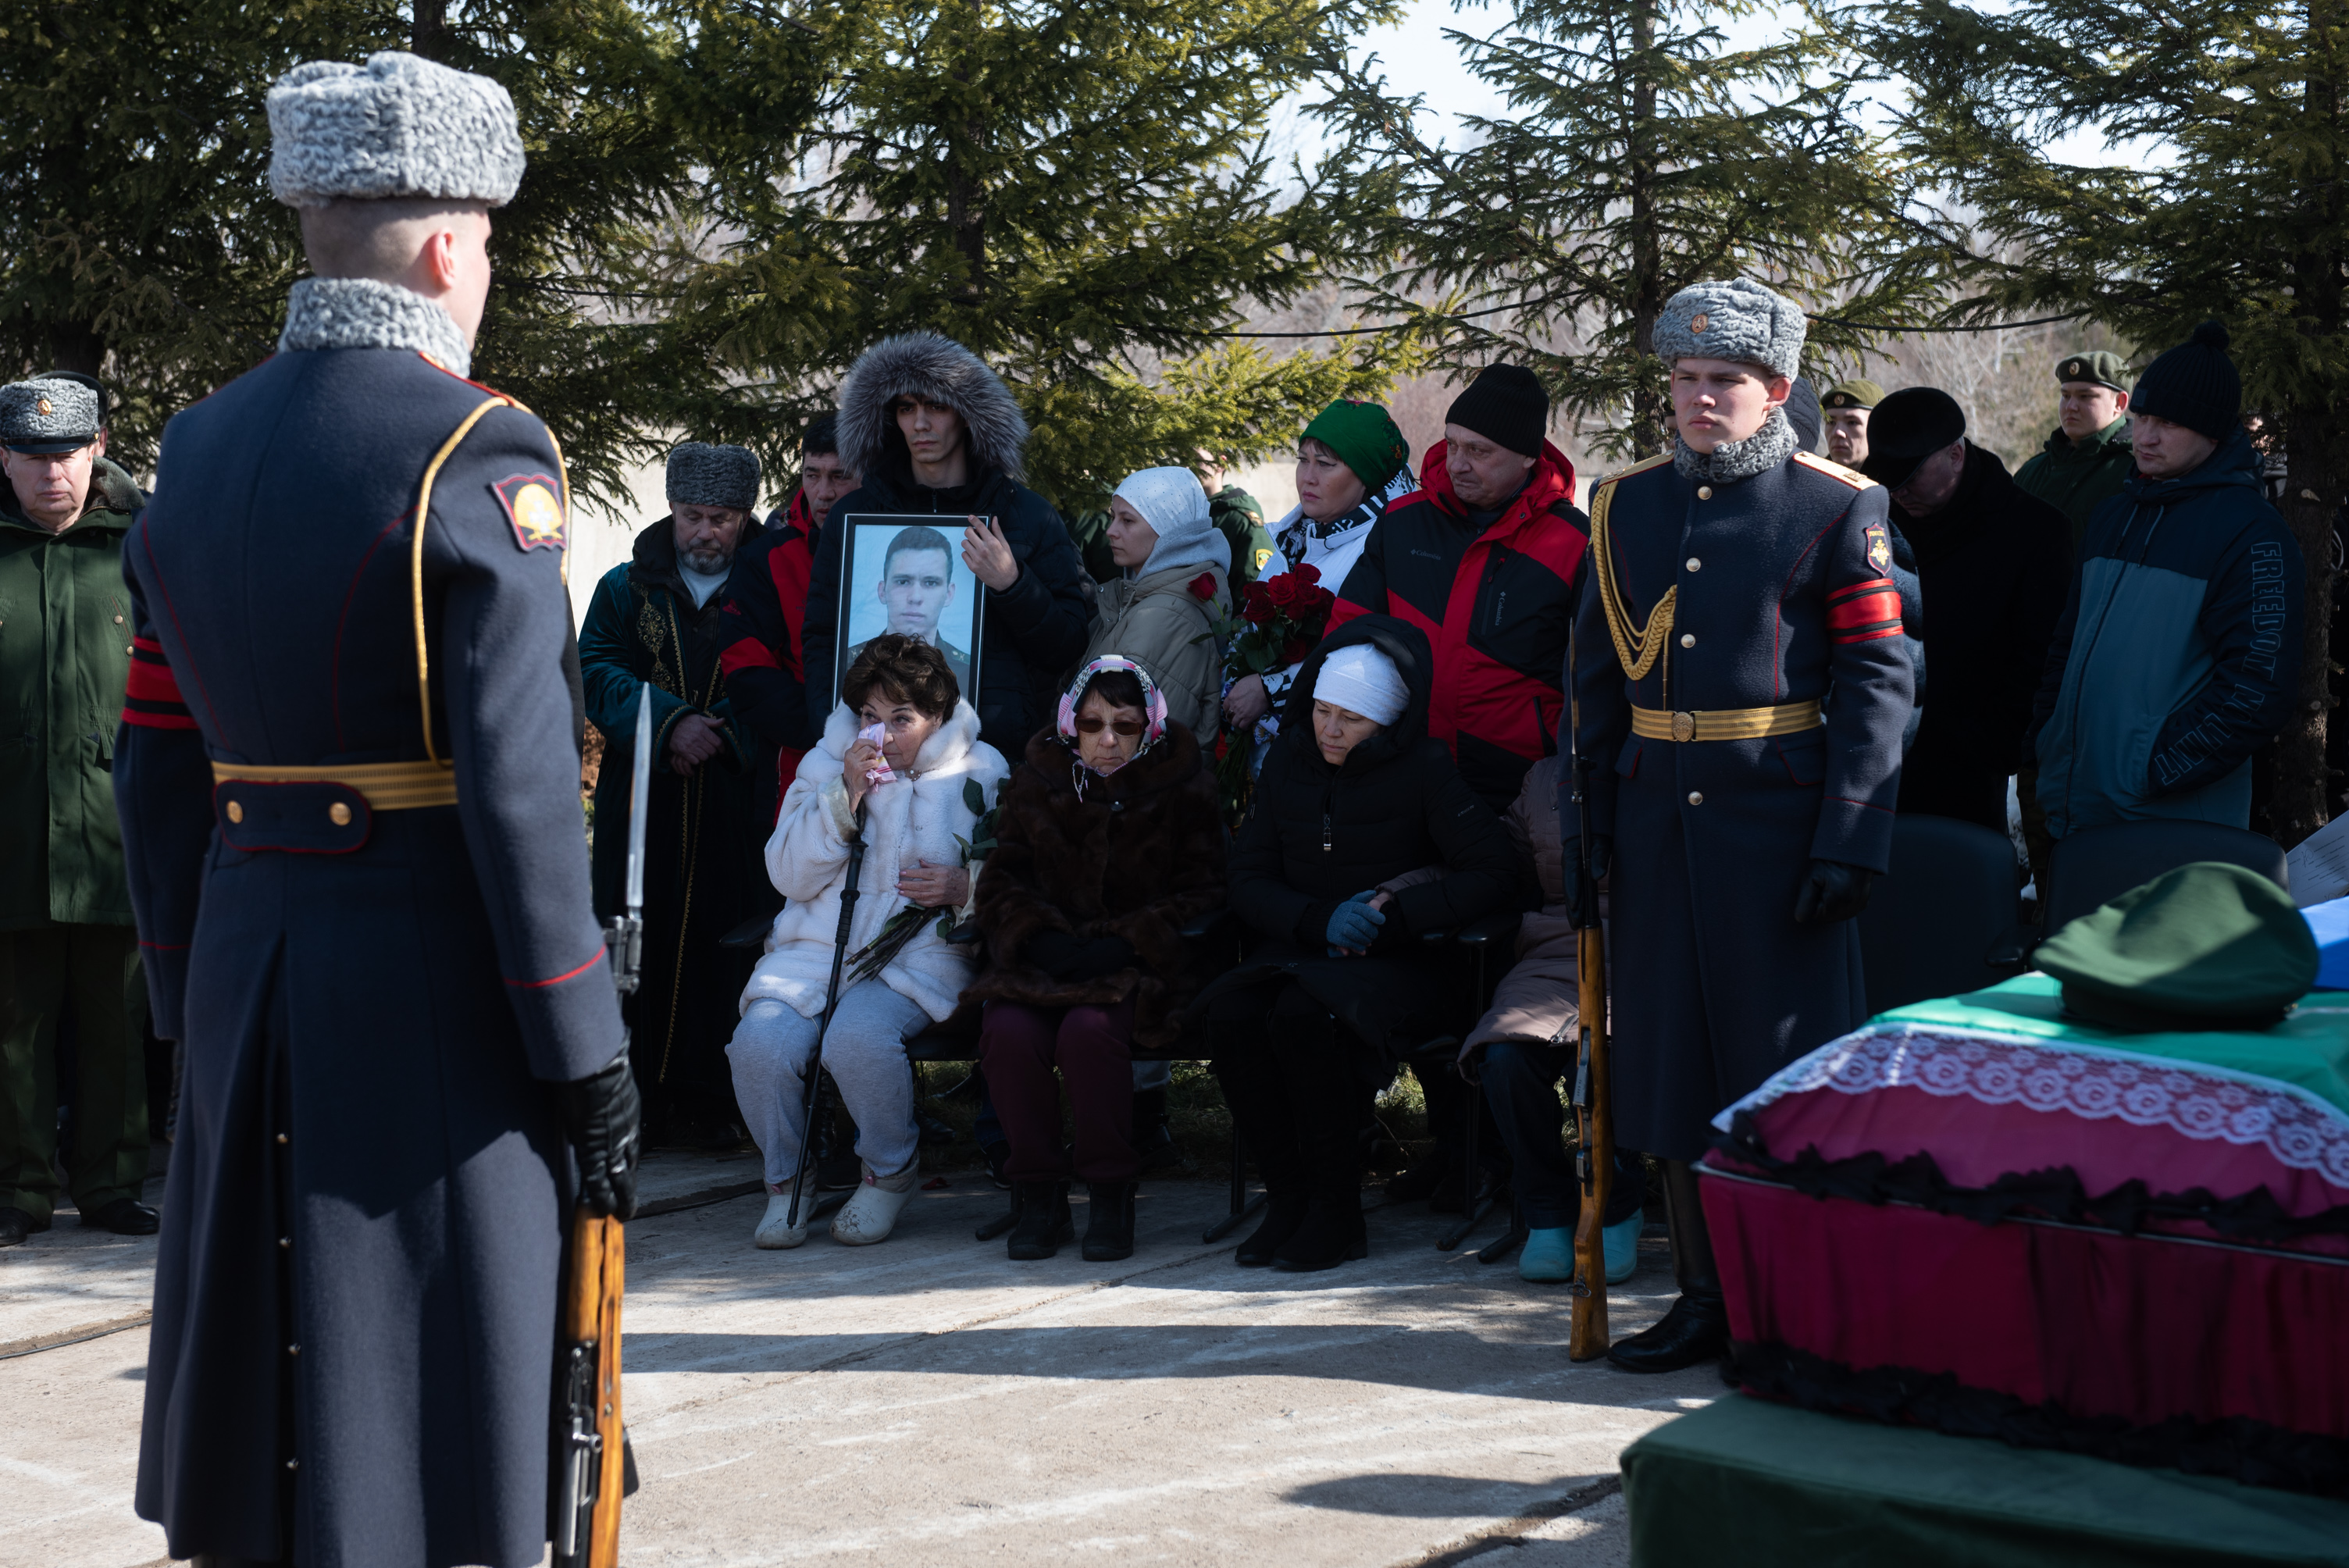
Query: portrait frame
{"points": [[869, 604]]}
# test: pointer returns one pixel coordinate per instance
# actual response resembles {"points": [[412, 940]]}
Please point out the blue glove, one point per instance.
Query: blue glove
{"points": [[1356, 924]]}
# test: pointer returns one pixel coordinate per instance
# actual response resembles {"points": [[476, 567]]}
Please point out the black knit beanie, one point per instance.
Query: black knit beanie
{"points": [[2194, 385], [1507, 404]]}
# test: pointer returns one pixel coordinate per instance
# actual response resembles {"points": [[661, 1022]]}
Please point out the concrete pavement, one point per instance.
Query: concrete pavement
{"points": [[929, 1401]]}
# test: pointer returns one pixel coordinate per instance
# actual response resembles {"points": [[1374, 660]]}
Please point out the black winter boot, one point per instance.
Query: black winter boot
{"points": [[1316, 1062], [1109, 1232], [1696, 1330], [1258, 1096], [1044, 1220]]}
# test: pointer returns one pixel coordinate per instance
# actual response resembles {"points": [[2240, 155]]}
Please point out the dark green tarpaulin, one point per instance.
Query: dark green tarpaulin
{"points": [[1757, 1485]]}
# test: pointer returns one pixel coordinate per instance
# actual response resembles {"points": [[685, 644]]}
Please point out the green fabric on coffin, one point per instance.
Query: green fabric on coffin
{"points": [[2310, 1049], [1768, 1486]]}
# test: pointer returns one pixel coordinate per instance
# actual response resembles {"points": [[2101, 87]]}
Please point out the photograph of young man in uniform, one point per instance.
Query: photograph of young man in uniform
{"points": [[922, 590]]}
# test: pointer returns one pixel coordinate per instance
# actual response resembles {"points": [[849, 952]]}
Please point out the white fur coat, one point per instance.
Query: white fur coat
{"points": [[907, 821]]}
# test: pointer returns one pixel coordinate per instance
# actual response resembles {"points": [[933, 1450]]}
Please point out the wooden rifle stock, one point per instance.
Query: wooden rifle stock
{"points": [[591, 1473], [1594, 1103]]}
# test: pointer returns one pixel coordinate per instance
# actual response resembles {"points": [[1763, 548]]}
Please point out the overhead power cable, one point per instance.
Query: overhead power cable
{"points": [[1822, 320]]}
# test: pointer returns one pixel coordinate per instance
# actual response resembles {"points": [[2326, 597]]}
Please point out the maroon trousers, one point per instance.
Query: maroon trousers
{"points": [[1020, 1046]]}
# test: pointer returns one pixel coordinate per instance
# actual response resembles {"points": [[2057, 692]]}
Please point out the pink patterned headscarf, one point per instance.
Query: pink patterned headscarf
{"points": [[1154, 705]]}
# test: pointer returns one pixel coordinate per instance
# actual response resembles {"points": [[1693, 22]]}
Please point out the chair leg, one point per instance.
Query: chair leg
{"points": [[1242, 1204], [1480, 1192], [1510, 1240]]}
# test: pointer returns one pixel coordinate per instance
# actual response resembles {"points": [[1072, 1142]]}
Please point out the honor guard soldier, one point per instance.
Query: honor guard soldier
{"points": [[1744, 684], [1847, 410], [347, 776]]}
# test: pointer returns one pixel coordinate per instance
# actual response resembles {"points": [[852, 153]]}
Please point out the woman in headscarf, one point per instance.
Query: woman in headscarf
{"points": [[1173, 586], [1355, 794], [1109, 841], [1352, 463]]}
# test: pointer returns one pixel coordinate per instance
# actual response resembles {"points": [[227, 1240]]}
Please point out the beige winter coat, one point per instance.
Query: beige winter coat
{"points": [[1537, 999], [1159, 623]]}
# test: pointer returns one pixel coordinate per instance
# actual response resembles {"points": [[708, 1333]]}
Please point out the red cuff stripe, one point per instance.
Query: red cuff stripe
{"points": [[748, 653], [146, 646], [1867, 609], [1838, 595], [1868, 634], [152, 682], [180, 720], [559, 979]]}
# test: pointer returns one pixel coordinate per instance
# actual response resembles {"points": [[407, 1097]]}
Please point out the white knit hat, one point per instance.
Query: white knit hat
{"points": [[1170, 502], [1361, 679]]}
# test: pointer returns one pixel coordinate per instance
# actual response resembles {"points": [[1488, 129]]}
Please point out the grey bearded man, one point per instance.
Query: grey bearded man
{"points": [[1737, 581], [350, 808]]}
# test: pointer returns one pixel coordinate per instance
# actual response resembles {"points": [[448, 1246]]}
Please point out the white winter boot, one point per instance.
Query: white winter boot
{"points": [[775, 1230], [872, 1213]]}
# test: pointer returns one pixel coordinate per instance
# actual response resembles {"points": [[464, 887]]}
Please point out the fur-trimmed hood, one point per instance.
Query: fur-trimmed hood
{"points": [[937, 368]]}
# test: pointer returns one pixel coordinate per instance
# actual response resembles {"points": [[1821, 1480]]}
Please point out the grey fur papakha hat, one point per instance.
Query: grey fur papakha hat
{"points": [[397, 126], [48, 415], [1738, 320], [703, 474]]}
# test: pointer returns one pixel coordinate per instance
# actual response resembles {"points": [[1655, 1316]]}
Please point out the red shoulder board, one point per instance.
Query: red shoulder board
{"points": [[531, 508]]}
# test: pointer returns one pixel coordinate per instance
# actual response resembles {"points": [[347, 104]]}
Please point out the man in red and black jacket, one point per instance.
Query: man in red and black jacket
{"points": [[765, 605], [1485, 558]]}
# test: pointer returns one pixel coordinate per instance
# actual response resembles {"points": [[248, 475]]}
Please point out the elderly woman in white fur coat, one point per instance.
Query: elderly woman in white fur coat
{"points": [[910, 783], [1162, 611]]}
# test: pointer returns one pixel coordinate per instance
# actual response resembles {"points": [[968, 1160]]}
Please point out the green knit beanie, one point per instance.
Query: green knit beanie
{"points": [[2207, 946], [1364, 439]]}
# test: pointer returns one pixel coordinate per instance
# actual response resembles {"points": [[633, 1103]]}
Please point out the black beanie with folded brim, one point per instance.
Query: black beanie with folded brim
{"points": [[2195, 384], [1505, 404]]}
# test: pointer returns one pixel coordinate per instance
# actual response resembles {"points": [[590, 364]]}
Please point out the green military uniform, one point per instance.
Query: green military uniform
{"points": [[2078, 477], [67, 941], [1239, 517]]}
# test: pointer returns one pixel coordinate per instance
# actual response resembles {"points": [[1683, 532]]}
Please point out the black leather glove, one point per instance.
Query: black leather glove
{"points": [[1102, 955], [604, 1121], [1602, 859], [1056, 953], [1832, 892]]}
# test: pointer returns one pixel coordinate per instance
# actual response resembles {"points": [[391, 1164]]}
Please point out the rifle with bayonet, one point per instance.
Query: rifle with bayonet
{"points": [[593, 1469], [1594, 1103]]}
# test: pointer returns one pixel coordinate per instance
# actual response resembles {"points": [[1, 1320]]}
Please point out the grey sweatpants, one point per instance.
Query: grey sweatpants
{"points": [[865, 1052]]}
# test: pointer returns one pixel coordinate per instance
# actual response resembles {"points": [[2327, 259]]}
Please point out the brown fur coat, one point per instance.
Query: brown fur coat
{"points": [[1139, 855]]}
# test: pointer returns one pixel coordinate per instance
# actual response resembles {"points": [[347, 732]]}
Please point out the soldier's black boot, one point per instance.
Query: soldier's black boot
{"points": [[1044, 1220], [1108, 1231], [1316, 1065], [1696, 1330], [1259, 1101]]}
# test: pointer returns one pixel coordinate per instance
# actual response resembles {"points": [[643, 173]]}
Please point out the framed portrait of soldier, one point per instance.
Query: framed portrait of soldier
{"points": [[906, 574]]}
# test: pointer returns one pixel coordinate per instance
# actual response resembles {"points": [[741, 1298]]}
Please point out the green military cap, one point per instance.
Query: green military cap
{"points": [[2208, 946], [2104, 368], [1853, 394]]}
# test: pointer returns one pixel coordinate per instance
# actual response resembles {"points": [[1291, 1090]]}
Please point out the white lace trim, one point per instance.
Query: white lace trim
{"points": [[2202, 1101]]}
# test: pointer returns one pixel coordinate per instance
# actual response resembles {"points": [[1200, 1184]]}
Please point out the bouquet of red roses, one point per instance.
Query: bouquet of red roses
{"points": [[1277, 622]]}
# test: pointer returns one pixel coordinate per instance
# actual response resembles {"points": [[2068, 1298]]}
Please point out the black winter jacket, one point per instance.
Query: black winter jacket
{"points": [[1996, 565], [1318, 835]]}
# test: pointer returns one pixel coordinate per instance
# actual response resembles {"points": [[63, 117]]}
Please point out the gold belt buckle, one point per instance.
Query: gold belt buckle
{"points": [[1683, 727]]}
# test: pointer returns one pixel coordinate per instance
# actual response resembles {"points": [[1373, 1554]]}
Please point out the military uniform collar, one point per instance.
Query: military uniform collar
{"points": [[361, 313]]}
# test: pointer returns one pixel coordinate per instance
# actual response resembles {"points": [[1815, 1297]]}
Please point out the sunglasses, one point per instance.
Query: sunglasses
{"points": [[1091, 726]]}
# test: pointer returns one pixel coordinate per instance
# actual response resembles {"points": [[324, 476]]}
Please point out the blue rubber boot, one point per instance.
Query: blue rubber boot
{"points": [[1547, 1256], [1622, 1248]]}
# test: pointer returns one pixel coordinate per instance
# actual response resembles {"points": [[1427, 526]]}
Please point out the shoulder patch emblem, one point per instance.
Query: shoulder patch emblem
{"points": [[531, 507], [1879, 547], [1820, 465]]}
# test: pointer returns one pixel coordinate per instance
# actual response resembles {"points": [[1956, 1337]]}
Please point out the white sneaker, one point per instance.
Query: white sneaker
{"points": [[872, 1213], [775, 1230]]}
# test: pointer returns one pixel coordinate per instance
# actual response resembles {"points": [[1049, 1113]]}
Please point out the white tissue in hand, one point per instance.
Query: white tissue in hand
{"points": [[879, 772]]}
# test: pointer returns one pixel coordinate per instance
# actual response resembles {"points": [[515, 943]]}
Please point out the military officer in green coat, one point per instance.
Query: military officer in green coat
{"points": [[2088, 455], [68, 944], [1239, 517]]}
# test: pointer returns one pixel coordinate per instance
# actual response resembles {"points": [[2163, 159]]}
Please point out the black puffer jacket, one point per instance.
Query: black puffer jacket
{"points": [[1319, 835], [1034, 629]]}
